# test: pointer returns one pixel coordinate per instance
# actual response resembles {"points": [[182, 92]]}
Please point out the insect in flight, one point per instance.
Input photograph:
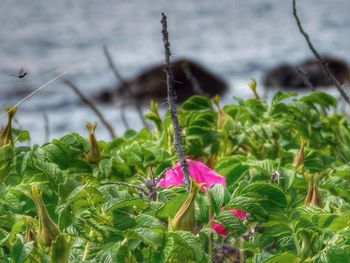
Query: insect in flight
{"points": [[20, 74]]}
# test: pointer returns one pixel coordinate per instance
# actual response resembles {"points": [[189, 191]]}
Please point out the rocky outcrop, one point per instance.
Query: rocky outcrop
{"points": [[190, 79], [286, 75]]}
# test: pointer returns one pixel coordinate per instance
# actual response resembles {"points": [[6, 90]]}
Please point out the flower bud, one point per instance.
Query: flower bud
{"points": [[29, 236], [252, 85], [313, 196], [48, 230], [6, 133], [94, 155], [185, 217], [221, 114], [299, 158]]}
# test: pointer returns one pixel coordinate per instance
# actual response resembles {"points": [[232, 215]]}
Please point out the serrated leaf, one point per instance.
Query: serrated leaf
{"points": [[249, 205], [120, 203], [267, 191]]}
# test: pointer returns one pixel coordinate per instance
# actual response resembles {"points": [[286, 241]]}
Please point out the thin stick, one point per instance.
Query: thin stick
{"points": [[192, 79], [119, 78], [35, 91], [172, 105], [112, 66], [123, 116], [124, 82], [305, 77], [322, 62], [46, 127], [92, 105]]}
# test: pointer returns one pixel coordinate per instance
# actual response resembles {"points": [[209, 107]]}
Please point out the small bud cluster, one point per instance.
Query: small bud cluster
{"points": [[148, 189], [225, 251]]}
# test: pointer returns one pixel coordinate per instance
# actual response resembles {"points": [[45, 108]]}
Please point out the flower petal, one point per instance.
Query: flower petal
{"points": [[238, 213], [201, 173], [172, 177], [219, 229]]}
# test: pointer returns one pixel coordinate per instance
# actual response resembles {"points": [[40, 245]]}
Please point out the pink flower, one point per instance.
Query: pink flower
{"points": [[220, 229], [201, 173]]}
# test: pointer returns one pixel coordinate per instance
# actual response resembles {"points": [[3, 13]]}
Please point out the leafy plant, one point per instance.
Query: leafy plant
{"points": [[285, 164]]}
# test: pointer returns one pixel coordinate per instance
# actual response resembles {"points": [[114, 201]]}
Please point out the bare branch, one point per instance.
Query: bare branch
{"points": [[322, 62], [92, 105], [128, 88], [113, 67], [46, 127], [305, 77], [192, 79], [172, 105], [123, 116]]}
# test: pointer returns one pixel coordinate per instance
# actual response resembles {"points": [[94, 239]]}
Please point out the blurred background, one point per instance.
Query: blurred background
{"points": [[234, 39]]}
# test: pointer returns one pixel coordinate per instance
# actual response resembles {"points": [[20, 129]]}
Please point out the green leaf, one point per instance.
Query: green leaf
{"points": [[73, 143], [231, 223], [220, 194], [249, 205], [21, 251], [284, 257], [120, 203], [321, 98], [164, 252], [7, 155], [232, 169], [197, 103], [21, 135], [187, 247], [279, 96], [170, 208], [148, 221], [267, 191], [55, 154], [332, 254], [149, 236]]}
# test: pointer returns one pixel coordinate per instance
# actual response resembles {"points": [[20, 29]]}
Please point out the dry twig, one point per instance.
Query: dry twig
{"points": [[92, 105], [172, 105], [322, 62], [126, 83], [305, 77], [46, 127], [192, 79]]}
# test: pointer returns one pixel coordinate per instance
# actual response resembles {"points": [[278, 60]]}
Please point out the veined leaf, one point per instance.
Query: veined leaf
{"points": [[21, 251], [320, 98], [231, 223], [249, 205], [120, 203], [272, 193]]}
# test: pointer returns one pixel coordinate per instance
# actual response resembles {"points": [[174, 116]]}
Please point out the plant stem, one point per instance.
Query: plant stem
{"points": [[322, 62], [119, 77], [92, 105], [172, 105], [241, 251]]}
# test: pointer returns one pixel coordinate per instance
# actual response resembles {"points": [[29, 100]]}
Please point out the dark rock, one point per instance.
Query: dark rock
{"points": [[151, 83], [286, 75], [105, 96]]}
